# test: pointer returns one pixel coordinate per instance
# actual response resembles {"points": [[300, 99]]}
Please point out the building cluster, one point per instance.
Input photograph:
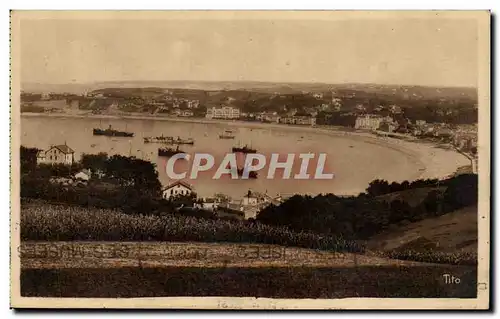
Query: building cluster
{"points": [[244, 208], [463, 137], [165, 104], [375, 122], [231, 113], [298, 119], [223, 112], [79, 179], [268, 117]]}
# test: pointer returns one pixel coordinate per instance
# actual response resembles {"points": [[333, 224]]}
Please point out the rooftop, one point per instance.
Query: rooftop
{"points": [[179, 182], [64, 149]]}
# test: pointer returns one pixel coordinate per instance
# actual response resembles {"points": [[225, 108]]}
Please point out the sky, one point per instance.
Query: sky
{"points": [[434, 52]]}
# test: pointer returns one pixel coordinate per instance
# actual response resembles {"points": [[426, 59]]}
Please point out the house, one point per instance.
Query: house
{"points": [[387, 127], [40, 157], [83, 175], [269, 117], [65, 181], [252, 198], [337, 102], [299, 119], [59, 154], [177, 188], [251, 211], [395, 109], [253, 202], [361, 107], [193, 104], [208, 204], [186, 113], [420, 122], [224, 112], [368, 122]]}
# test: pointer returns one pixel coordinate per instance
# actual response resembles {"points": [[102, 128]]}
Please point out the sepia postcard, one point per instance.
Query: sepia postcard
{"points": [[250, 159]]}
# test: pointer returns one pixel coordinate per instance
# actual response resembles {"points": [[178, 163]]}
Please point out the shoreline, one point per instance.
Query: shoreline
{"points": [[430, 159]]}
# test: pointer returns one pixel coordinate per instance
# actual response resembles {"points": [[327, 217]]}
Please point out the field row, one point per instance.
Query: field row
{"points": [[170, 254]]}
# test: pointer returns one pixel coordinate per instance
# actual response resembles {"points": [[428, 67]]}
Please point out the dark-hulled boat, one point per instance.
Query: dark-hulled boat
{"points": [[169, 152], [244, 149], [111, 132], [159, 139], [188, 141]]}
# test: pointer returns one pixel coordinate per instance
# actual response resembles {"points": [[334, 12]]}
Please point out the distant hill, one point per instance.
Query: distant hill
{"points": [[404, 91]]}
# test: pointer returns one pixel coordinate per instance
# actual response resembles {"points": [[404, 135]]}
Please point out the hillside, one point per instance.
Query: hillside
{"points": [[455, 231], [404, 91], [412, 196]]}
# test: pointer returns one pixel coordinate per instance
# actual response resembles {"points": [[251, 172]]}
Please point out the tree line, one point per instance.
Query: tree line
{"points": [[359, 217]]}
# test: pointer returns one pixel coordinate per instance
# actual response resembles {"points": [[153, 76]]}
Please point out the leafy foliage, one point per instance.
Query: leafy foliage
{"points": [[366, 215]]}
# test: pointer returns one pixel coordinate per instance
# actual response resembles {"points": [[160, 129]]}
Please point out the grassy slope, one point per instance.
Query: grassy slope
{"points": [[412, 196], [455, 231]]}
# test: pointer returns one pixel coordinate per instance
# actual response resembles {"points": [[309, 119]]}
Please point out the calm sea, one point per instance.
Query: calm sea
{"points": [[353, 162]]}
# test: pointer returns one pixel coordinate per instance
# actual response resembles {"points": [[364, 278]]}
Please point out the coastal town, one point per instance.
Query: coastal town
{"points": [[317, 110], [451, 121]]}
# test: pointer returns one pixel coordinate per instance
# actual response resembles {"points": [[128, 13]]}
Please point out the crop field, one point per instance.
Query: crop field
{"points": [[77, 252], [46, 222], [189, 254], [154, 269]]}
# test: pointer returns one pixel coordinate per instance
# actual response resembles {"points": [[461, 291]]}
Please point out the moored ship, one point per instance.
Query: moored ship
{"points": [[112, 132], [169, 152], [188, 141], [159, 139], [227, 135], [243, 149]]}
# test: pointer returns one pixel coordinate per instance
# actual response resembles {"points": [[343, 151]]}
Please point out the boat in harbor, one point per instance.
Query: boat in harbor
{"points": [[159, 139], [187, 141], [169, 152], [112, 132], [251, 174], [243, 149], [227, 135]]}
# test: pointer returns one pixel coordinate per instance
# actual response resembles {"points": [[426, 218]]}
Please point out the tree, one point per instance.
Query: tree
{"points": [[462, 191], [95, 162], [399, 211], [378, 187], [28, 158], [130, 171]]}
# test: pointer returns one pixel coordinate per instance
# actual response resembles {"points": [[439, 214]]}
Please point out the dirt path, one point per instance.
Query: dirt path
{"points": [[43, 255]]}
